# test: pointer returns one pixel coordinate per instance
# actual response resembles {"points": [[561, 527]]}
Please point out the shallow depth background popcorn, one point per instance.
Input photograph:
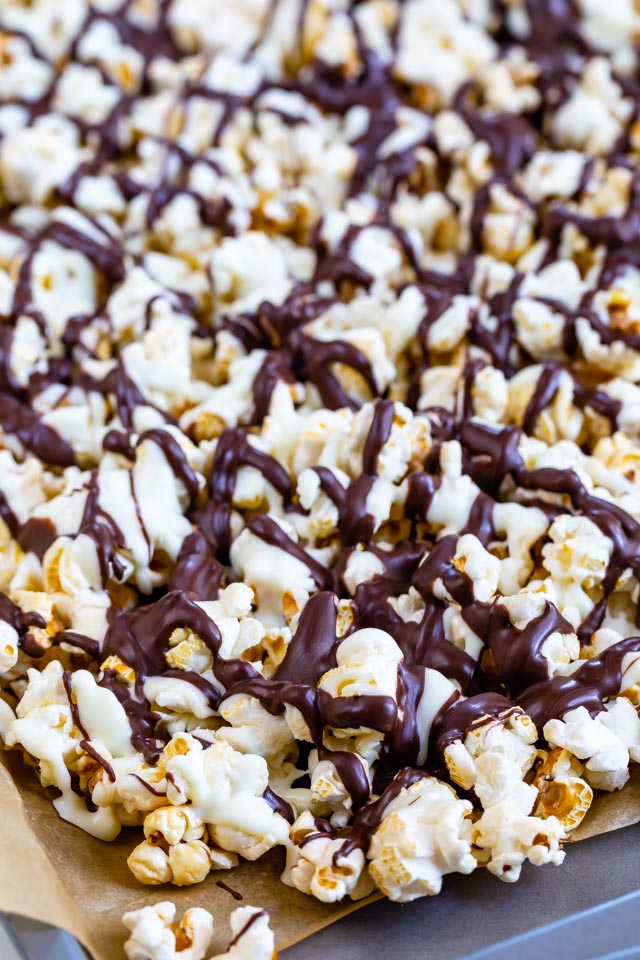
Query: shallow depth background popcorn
{"points": [[319, 420]]}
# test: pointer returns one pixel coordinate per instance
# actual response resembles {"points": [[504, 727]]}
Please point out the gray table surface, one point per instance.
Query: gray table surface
{"points": [[475, 913]]}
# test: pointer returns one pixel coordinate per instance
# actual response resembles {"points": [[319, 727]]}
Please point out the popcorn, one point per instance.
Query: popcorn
{"points": [[156, 936], [476, 563], [248, 271], [595, 114], [596, 740], [45, 728], [561, 791], [186, 859], [500, 753], [367, 664], [425, 833], [508, 836], [331, 304], [8, 647], [577, 558], [553, 174], [225, 789], [253, 730], [456, 48], [271, 573], [252, 936], [36, 160], [316, 865]]}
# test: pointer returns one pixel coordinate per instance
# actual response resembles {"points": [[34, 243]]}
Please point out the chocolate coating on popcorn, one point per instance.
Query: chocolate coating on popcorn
{"points": [[395, 280]]}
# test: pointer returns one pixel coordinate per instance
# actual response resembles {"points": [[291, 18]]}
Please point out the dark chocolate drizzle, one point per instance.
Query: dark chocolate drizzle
{"points": [[553, 41]]}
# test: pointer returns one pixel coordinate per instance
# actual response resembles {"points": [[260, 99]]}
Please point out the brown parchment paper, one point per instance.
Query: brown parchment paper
{"points": [[53, 872]]}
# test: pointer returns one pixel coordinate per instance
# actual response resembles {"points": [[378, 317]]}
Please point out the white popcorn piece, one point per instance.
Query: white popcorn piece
{"points": [[230, 612], [439, 49], [362, 566], [480, 566], [553, 174], [595, 114], [146, 506], [451, 504], [253, 938], [597, 741], [155, 934], [449, 329], [577, 558], [425, 833], [367, 663], [36, 160], [249, 270], [44, 727], [9, 642], [493, 759], [271, 573], [508, 837], [253, 730], [225, 788], [316, 866]]}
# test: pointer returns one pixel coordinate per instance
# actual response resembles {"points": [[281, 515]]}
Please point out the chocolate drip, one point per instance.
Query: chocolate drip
{"points": [[223, 886], [518, 656], [93, 753], [268, 530], [545, 390], [148, 787], [511, 138], [140, 637], [86, 644], [492, 454], [141, 719], [306, 359], [175, 458], [36, 535], [312, 650], [590, 686], [247, 926], [234, 451], [73, 706], [197, 572], [379, 433], [21, 623], [274, 369], [354, 521], [37, 437], [463, 715], [117, 441], [104, 532], [279, 805], [127, 394], [358, 834]]}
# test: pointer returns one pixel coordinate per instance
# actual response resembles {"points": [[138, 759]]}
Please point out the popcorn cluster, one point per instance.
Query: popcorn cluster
{"points": [[319, 433], [155, 935]]}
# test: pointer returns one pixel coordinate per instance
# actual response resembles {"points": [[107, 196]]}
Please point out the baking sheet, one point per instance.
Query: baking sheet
{"points": [[52, 871]]}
